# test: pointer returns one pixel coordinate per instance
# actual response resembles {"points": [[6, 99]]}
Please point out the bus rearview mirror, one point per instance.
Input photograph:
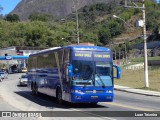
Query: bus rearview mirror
{"points": [[70, 71], [118, 71]]}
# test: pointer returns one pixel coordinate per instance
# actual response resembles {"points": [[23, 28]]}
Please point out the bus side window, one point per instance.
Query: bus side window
{"points": [[60, 58]]}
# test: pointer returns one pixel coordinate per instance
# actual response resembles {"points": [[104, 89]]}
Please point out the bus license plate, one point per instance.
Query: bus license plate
{"points": [[94, 91], [94, 97]]}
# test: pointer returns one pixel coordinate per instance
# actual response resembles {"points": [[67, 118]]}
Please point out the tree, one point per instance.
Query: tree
{"points": [[115, 28], [104, 36], [36, 33], [1, 16], [12, 18], [40, 17]]}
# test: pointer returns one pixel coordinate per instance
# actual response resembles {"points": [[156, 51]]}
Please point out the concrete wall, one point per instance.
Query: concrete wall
{"points": [[9, 52]]}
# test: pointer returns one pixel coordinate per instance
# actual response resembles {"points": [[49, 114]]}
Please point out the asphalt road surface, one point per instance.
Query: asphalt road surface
{"points": [[19, 99]]}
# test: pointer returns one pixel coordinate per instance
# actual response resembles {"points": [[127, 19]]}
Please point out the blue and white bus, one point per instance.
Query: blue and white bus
{"points": [[77, 74]]}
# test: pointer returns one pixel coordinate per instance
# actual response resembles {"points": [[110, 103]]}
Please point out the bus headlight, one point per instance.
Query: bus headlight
{"points": [[76, 91], [109, 91], [109, 97], [77, 97]]}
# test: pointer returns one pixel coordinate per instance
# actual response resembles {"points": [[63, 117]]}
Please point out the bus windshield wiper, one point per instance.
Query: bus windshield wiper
{"points": [[101, 80], [91, 78]]}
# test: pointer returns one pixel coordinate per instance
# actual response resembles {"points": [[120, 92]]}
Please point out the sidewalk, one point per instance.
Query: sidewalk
{"points": [[137, 91]]}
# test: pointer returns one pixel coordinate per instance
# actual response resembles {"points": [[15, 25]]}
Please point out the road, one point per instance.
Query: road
{"points": [[16, 98]]}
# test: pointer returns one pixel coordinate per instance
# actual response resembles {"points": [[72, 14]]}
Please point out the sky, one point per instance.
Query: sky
{"points": [[8, 5]]}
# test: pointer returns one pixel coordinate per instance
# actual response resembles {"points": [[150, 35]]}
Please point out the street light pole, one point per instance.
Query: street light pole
{"points": [[121, 19], [126, 53], [125, 42]]}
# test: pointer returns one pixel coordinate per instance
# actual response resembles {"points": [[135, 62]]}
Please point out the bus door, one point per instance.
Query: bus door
{"points": [[65, 78]]}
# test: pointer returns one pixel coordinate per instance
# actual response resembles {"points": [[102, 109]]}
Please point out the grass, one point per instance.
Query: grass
{"points": [[135, 78], [141, 59]]}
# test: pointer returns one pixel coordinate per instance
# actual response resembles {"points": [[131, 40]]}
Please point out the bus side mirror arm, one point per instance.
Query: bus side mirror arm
{"points": [[118, 71], [69, 71]]}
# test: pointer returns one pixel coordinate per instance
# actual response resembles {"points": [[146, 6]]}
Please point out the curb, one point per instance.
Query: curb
{"points": [[137, 91]]}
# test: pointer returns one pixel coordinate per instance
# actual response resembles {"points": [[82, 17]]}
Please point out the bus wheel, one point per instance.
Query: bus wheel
{"points": [[35, 89], [32, 88], [59, 96]]}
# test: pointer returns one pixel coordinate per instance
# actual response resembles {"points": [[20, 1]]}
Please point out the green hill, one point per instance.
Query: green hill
{"points": [[60, 8], [96, 24]]}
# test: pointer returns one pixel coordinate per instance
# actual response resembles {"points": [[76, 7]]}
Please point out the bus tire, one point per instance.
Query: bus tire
{"points": [[35, 89], [32, 88], [59, 96]]}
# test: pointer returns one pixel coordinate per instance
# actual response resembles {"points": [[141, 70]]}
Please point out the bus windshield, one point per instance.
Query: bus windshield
{"points": [[83, 69], [103, 68], [99, 73]]}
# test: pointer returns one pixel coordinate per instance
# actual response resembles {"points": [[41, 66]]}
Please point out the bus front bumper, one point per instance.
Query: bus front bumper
{"points": [[89, 98]]}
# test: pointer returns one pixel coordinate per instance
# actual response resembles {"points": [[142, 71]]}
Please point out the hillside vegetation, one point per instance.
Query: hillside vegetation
{"points": [[58, 8], [96, 25]]}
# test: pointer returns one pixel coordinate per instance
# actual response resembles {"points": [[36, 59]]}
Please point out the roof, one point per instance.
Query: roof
{"points": [[46, 50], [24, 48]]}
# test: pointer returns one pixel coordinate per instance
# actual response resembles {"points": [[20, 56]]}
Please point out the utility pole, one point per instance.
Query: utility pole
{"points": [[77, 24], [77, 20], [145, 40]]}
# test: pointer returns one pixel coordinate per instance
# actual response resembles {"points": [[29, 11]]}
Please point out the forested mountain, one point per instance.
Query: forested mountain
{"points": [[60, 8], [96, 24]]}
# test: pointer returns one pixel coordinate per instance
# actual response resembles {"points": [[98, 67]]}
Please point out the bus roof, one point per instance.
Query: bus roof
{"points": [[75, 47], [46, 50]]}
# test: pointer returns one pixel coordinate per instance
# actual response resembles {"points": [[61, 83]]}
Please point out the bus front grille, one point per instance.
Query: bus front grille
{"points": [[83, 83]]}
